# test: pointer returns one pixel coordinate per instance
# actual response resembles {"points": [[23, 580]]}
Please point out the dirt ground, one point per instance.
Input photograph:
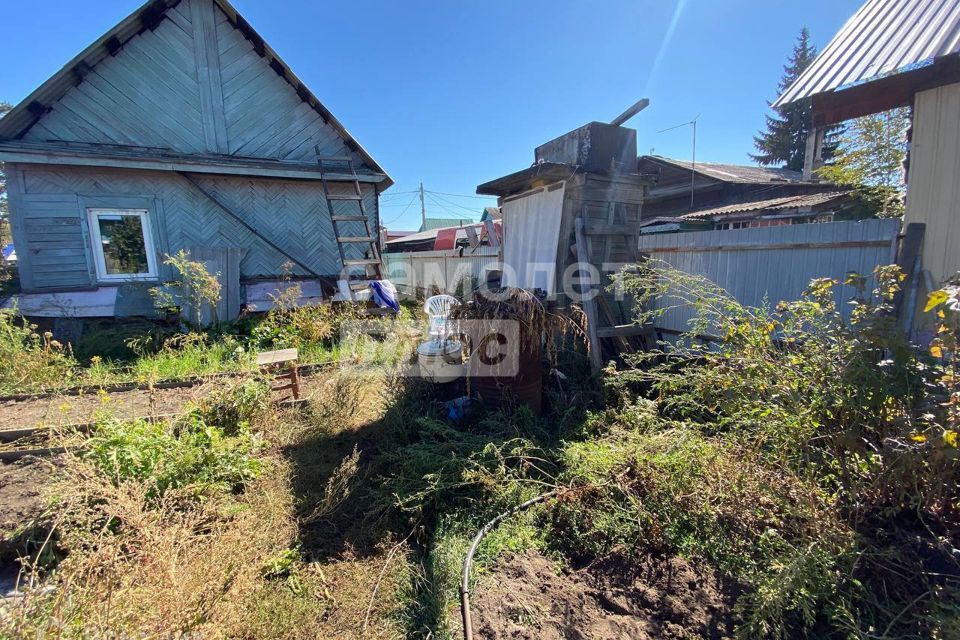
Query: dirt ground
{"points": [[68, 410], [527, 598], [21, 499]]}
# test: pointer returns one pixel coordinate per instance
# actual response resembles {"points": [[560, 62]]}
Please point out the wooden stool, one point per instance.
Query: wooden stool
{"points": [[283, 365]]}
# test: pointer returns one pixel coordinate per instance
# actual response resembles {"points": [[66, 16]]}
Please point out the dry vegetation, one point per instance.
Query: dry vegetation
{"points": [[806, 468]]}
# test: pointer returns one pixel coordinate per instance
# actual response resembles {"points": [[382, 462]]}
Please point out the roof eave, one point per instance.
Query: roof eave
{"points": [[13, 151]]}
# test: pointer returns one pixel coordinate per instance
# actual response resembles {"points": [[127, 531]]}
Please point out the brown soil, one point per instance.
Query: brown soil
{"points": [[526, 597], [21, 500], [82, 409]]}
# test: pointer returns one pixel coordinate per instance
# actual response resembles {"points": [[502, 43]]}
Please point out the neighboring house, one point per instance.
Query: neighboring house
{"points": [[443, 238], [430, 224], [716, 185], [867, 68], [178, 129], [772, 212], [491, 213]]}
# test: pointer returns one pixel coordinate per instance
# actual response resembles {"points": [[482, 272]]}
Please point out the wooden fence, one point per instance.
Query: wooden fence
{"points": [[758, 266]]}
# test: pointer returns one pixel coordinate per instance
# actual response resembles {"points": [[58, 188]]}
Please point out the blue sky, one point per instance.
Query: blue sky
{"points": [[457, 93]]}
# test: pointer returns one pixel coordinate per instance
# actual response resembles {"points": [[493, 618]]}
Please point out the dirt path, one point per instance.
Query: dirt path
{"points": [[526, 597], [66, 410]]}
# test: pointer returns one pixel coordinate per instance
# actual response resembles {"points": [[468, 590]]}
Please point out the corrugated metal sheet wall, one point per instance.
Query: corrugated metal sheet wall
{"points": [[775, 263], [421, 271]]}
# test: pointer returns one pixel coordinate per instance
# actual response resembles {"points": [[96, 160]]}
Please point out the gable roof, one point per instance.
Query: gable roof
{"points": [[883, 38], [739, 173], [150, 17], [773, 204]]}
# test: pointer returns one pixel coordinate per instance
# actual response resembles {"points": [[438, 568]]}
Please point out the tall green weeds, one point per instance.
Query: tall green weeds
{"points": [[842, 411]]}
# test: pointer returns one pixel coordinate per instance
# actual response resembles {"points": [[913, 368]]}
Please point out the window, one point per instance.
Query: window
{"points": [[752, 224], [122, 244]]}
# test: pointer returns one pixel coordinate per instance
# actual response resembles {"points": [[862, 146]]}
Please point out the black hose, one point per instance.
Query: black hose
{"points": [[468, 561]]}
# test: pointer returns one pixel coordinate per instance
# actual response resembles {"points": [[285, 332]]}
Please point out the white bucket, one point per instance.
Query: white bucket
{"points": [[441, 362]]}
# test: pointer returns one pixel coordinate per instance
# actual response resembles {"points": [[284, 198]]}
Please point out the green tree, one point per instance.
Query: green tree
{"points": [[869, 158], [785, 139], [4, 209]]}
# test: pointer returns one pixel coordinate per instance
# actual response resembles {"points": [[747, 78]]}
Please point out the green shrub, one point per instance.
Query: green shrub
{"points": [[233, 407], [191, 455], [31, 361], [848, 407]]}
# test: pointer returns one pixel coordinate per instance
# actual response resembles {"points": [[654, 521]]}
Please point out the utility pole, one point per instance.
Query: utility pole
{"points": [[423, 209]]}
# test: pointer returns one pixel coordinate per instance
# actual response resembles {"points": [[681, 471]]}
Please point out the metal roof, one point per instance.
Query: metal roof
{"points": [[147, 16], [445, 223], [883, 38], [773, 204], [733, 172]]}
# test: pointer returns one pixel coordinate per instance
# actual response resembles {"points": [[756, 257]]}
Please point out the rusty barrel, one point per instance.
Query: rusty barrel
{"points": [[526, 387]]}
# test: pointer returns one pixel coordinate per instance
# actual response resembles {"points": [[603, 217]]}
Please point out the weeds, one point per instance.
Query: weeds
{"points": [[32, 361], [842, 410]]}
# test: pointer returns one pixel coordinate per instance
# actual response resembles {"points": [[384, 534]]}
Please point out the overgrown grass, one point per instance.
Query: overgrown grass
{"points": [[809, 461], [144, 353]]}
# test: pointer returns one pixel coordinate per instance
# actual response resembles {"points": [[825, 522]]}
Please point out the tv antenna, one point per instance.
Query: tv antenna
{"points": [[693, 160]]}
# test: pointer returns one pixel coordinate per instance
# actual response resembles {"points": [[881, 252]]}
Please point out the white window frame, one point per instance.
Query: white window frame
{"points": [[97, 240]]}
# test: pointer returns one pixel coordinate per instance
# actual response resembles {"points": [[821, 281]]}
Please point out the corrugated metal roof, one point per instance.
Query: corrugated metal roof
{"points": [[443, 223], [884, 37], [734, 172], [773, 204]]}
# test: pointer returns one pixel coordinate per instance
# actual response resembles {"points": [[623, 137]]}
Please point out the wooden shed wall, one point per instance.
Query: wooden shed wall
{"points": [[193, 84], [933, 192], [48, 212]]}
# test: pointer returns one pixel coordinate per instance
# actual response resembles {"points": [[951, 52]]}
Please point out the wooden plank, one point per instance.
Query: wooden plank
{"points": [[185, 163], [175, 80], [906, 259], [624, 330], [589, 305], [208, 77], [610, 230], [148, 125], [276, 357], [198, 188]]}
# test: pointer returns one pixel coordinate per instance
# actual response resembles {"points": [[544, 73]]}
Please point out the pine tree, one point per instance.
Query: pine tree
{"points": [[785, 139]]}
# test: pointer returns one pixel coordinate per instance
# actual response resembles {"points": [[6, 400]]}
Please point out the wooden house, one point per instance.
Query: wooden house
{"points": [[179, 129], [688, 190]]}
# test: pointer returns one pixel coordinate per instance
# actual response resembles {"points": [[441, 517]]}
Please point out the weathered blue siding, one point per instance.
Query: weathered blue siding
{"points": [[194, 84], [49, 206]]}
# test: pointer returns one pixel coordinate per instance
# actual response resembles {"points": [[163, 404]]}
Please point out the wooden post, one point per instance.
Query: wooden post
{"points": [[813, 155], [907, 259], [588, 303]]}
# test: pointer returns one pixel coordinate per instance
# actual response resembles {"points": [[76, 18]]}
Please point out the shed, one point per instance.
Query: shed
{"points": [[894, 53], [579, 202], [179, 129]]}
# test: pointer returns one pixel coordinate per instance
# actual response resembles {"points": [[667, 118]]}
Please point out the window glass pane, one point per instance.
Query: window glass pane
{"points": [[124, 249]]}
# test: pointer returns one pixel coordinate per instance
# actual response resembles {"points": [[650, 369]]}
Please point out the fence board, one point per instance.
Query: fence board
{"points": [[758, 266], [424, 271]]}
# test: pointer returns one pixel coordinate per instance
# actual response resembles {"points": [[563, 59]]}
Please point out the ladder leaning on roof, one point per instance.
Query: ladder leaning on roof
{"points": [[372, 265]]}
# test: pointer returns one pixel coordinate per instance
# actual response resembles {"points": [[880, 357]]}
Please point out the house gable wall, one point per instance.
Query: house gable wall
{"points": [[193, 84]]}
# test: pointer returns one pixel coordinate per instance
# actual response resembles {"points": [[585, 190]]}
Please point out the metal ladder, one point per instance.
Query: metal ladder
{"points": [[372, 265]]}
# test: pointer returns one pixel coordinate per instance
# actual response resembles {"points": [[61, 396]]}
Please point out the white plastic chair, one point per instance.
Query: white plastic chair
{"points": [[438, 309]]}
